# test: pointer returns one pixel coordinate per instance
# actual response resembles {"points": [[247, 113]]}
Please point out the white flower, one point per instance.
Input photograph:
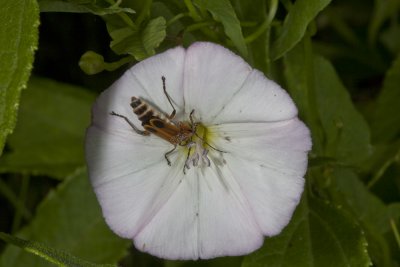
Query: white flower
{"points": [[243, 176]]}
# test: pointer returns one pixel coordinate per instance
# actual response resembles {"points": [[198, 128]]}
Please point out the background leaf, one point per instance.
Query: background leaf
{"points": [[347, 136], [69, 218], [372, 214], [58, 257], [18, 42], [385, 124], [318, 235], [54, 116], [294, 27], [223, 11], [74, 7], [139, 43]]}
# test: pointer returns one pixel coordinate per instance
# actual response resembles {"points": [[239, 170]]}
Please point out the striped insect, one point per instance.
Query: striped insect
{"points": [[155, 122]]}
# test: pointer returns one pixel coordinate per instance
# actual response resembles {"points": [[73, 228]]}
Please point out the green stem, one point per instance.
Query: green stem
{"points": [[115, 65], [273, 7], [192, 10], [395, 232], [266, 27], [13, 199], [198, 26], [127, 19], [144, 12], [176, 18], [383, 169], [19, 211], [287, 4], [257, 33], [248, 23]]}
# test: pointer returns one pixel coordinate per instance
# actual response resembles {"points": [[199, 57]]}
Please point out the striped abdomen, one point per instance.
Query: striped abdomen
{"points": [[145, 111]]}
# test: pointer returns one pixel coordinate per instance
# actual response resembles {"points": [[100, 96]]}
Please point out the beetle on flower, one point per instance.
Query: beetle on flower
{"points": [[244, 157]]}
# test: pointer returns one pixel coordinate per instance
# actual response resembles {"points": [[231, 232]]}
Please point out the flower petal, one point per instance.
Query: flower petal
{"points": [[258, 100], [132, 186], [268, 160], [212, 75], [205, 214], [173, 231], [111, 155], [272, 195], [227, 226]]}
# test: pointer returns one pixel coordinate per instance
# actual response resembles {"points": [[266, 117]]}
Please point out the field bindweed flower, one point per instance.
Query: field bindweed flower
{"points": [[236, 179]]}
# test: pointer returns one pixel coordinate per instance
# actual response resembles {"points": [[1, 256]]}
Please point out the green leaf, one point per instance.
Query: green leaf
{"points": [[295, 25], [223, 11], [74, 7], [19, 22], [69, 219], [347, 136], [386, 121], [390, 38], [372, 214], [49, 136], [140, 43], [50, 254], [382, 11], [318, 235]]}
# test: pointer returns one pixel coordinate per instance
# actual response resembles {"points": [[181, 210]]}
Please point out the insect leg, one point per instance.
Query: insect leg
{"points": [[167, 154], [172, 115], [130, 123], [186, 165]]}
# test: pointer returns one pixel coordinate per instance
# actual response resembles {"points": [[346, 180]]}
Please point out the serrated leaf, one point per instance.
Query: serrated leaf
{"points": [[347, 136], [140, 43], [49, 136], [60, 258], [19, 22], [295, 25], [223, 11], [69, 219], [386, 121], [74, 7], [372, 214], [318, 235]]}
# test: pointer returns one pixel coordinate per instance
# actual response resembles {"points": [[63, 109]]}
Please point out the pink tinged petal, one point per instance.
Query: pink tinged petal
{"points": [[258, 100], [212, 76], [206, 217], [227, 226], [131, 201], [272, 195], [173, 231]]}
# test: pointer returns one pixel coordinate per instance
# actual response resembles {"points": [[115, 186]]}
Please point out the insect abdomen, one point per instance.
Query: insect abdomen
{"points": [[145, 111]]}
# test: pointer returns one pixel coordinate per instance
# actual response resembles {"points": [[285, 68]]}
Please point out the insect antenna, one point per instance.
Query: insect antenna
{"points": [[172, 115], [194, 125]]}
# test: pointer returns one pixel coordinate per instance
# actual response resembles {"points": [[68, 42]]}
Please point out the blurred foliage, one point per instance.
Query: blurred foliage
{"points": [[339, 60]]}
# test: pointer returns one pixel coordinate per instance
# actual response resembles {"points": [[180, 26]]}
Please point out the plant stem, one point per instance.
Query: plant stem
{"points": [[176, 18], [192, 10], [144, 12]]}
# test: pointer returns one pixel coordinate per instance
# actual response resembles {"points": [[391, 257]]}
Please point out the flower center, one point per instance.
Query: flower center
{"points": [[197, 153]]}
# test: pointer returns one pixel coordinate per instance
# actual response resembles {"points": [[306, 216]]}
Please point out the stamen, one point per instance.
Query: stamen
{"points": [[198, 153]]}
